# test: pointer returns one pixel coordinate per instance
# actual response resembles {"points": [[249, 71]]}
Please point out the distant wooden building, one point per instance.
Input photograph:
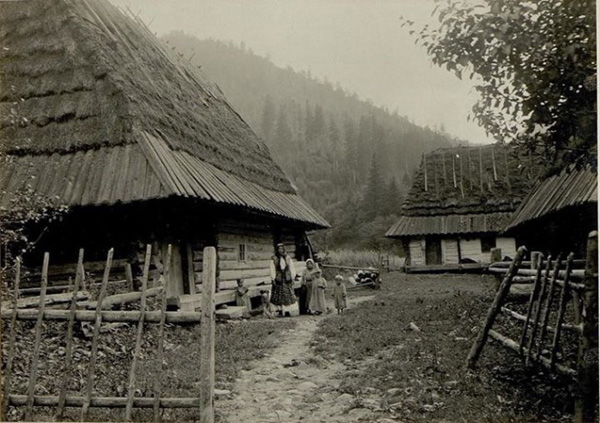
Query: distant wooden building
{"points": [[100, 116], [461, 200], [559, 213]]}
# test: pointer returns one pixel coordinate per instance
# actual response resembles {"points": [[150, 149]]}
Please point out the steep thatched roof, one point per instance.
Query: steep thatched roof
{"points": [[465, 190], [94, 109], [571, 188]]}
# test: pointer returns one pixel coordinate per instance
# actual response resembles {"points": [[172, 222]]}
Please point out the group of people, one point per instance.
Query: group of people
{"points": [[313, 287]]}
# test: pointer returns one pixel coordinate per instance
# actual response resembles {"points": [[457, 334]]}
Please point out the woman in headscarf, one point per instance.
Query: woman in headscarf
{"points": [[283, 274], [308, 276]]}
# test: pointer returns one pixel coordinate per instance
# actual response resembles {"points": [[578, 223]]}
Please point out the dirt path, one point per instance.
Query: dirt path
{"points": [[291, 384]]}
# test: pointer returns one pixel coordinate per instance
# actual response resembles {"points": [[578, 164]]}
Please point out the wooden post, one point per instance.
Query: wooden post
{"points": [[453, 172], [494, 165], [507, 170], [470, 170], [481, 168], [444, 169], [495, 255], [82, 270], [425, 169], [535, 263], [586, 393], [97, 323], [69, 349], [462, 190], [138, 338], [532, 299], [161, 332], [495, 309], [129, 277], [11, 341], [538, 310], [190, 269], [549, 299], [564, 295], [207, 340], [38, 340]]}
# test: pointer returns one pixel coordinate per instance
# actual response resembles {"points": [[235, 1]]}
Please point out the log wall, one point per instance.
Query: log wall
{"points": [[507, 245], [471, 249]]}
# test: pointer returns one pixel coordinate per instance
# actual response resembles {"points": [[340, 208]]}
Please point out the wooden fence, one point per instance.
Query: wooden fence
{"points": [[99, 315], [555, 284]]}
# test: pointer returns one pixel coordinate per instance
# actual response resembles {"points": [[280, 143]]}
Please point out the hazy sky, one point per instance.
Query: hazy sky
{"points": [[357, 43]]}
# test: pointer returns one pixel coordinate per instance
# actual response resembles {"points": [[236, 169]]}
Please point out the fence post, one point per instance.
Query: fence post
{"points": [[207, 336], [495, 308], [587, 360]]}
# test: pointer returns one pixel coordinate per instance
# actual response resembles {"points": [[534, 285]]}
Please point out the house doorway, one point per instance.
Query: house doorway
{"points": [[433, 251]]}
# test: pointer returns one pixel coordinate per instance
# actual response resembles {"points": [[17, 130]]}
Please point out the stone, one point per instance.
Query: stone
{"points": [[359, 413], [304, 386], [393, 391], [219, 393]]}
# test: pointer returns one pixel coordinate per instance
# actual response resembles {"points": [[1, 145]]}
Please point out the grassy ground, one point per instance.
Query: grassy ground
{"points": [[237, 344], [361, 258], [420, 374]]}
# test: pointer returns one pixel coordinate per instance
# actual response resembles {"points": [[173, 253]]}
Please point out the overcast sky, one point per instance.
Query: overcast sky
{"points": [[357, 43]]}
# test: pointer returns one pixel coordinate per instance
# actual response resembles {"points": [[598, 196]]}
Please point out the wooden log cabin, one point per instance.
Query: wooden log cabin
{"points": [[559, 213], [139, 145], [459, 204]]}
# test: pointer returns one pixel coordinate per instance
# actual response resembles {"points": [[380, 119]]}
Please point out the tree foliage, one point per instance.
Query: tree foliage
{"points": [[534, 63]]}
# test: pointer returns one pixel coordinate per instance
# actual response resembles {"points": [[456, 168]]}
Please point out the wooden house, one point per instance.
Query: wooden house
{"points": [[100, 116], [461, 200], [559, 213]]}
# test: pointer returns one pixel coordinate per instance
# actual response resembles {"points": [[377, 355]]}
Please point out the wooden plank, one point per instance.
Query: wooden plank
{"points": [[105, 402], [250, 256], [503, 291], [122, 316], [48, 299], [129, 277], [248, 282], [69, 348], [119, 299], [264, 272], [138, 337], [161, 335], [207, 337], [37, 342], [244, 265], [96, 334], [11, 341]]}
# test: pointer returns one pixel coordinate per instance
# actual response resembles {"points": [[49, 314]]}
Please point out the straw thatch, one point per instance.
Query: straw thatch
{"points": [[82, 90], [463, 190]]}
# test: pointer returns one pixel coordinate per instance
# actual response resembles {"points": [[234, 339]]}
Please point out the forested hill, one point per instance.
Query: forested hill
{"points": [[352, 161]]}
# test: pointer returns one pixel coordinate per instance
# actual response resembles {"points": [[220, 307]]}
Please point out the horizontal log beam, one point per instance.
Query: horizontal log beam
{"points": [[575, 274], [107, 315], [579, 263], [509, 343], [107, 402], [48, 300], [522, 318], [335, 266], [118, 299]]}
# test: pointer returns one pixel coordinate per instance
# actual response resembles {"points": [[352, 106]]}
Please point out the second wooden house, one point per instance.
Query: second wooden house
{"points": [[460, 202]]}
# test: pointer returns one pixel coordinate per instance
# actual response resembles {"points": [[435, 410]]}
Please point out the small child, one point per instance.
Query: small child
{"points": [[265, 304], [339, 294], [241, 295], [317, 299]]}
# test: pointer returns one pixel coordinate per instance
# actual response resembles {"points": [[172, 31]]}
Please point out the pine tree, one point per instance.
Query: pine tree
{"points": [[374, 192], [393, 198], [268, 118]]}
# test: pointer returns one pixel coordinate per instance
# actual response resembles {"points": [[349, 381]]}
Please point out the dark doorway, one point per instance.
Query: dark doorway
{"points": [[433, 251]]}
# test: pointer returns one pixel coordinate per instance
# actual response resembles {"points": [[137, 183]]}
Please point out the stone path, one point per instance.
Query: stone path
{"points": [[291, 384]]}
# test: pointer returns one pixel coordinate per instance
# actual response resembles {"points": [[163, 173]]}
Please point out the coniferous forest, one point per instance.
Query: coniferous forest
{"points": [[351, 160]]}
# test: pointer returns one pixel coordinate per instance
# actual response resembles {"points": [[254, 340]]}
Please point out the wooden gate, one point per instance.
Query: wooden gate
{"points": [[204, 401], [555, 284]]}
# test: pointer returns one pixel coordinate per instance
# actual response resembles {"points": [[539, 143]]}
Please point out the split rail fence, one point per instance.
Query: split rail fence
{"points": [[204, 402], [558, 284]]}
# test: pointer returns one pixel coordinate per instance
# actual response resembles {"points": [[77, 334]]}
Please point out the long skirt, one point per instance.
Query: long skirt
{"points": [[283, 294], [309, 289]]}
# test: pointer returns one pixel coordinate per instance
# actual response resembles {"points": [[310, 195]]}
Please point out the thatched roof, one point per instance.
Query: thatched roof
{"points": [[465, 190], [571, 188], [94, 109]]}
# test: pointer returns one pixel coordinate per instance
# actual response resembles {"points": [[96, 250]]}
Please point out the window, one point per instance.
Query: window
{"points": [[242, 252], [487, 243]]}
